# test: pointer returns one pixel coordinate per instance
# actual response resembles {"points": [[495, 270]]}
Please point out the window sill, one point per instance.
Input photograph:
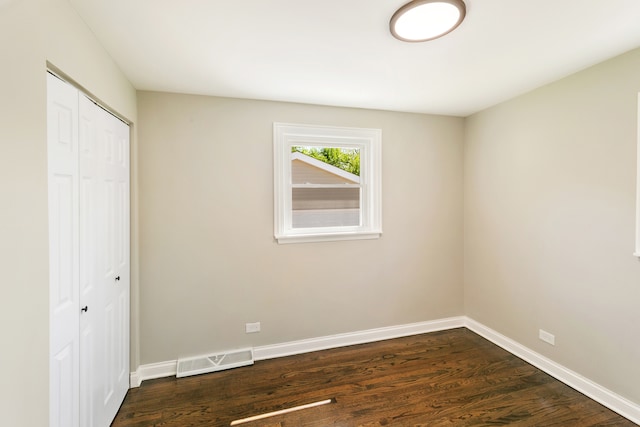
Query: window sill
{"points": [[328, 237]]}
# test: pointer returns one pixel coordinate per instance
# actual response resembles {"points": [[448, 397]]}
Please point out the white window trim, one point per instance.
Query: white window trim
{"points": [[369, 141]]}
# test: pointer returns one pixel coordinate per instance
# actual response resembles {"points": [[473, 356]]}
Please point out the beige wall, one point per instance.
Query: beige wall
{"points": [[209, 262], [31, 33], [549, 222]]}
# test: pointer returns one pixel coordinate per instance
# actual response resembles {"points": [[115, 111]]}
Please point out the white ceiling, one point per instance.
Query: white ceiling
{"points": [[340, 52]]}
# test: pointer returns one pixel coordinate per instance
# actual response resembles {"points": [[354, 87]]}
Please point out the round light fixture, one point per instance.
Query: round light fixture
{"points": [[422, 20]]}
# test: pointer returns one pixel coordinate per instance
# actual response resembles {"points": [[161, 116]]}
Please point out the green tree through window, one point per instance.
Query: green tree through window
{"points": [[347, 159]]}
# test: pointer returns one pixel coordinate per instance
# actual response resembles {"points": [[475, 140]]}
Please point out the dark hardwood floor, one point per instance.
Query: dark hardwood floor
{"points": [[449, 378]]}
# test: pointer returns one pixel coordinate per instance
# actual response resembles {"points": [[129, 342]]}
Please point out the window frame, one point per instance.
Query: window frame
{"points": [[368, 141]]}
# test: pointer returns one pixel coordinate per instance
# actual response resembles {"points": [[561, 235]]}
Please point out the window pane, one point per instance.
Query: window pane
{"points": [[335, 159], [325, 207], [326, 190]]}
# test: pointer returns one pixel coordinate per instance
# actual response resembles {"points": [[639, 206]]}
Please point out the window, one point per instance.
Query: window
{"points": [[327, 183]]}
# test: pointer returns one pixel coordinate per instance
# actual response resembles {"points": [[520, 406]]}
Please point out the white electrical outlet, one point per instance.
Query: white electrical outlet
{"points": [[252, 328], [547, 337]]}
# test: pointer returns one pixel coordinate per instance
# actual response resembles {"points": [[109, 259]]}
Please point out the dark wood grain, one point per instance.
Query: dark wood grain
{"points": [[449, 378]]}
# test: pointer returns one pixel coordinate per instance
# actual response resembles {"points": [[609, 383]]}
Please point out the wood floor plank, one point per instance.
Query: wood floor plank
{"points": [[448, 378]]}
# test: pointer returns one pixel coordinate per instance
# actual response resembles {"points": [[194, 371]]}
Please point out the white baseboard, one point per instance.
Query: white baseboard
{"points": [[169, 368], [595, 391], [153, 371], [352, 338], [134, 379], [584, 385]]}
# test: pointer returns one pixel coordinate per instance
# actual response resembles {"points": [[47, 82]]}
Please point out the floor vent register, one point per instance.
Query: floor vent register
{"points": [[215, 362]]}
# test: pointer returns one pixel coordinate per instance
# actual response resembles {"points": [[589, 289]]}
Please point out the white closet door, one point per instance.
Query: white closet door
{"points": [[114, 140], [64, 307], [92, 241], [89, 257]]}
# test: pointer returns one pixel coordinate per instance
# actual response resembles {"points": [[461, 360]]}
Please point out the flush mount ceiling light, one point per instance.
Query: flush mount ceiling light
{"points": [[422, 20]]}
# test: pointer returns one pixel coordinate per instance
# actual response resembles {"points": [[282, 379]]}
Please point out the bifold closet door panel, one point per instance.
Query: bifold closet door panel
{"points": [[93, 376], [113, 138], [64, 304]]}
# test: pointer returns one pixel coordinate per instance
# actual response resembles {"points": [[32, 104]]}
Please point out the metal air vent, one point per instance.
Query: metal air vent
{"points": [[214, 362]]}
